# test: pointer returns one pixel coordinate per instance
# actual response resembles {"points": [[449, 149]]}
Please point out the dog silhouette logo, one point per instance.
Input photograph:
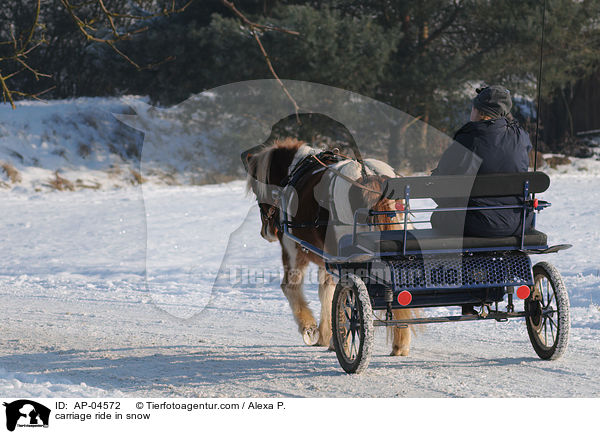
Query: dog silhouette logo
{"points": [[26, 413]]}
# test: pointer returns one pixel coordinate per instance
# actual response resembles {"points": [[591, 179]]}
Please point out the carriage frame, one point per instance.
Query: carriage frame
{"points": [[381, 271]]}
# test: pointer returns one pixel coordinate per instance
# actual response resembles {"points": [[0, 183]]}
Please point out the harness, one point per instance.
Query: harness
{"points": [[312, 163], [309, 163]]}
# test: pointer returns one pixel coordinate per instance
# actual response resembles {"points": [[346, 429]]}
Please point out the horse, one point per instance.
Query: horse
{"points": [[268, 170]]}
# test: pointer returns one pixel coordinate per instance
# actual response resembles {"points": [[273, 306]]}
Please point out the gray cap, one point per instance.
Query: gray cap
{"points": [[493, 101]]}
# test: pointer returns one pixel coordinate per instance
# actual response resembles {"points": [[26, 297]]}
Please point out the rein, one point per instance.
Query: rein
{"points": [[346, 178], [350, 180]]}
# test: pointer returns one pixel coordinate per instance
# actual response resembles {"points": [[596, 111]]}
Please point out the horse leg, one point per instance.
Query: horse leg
{"points": [[326, 289], [402, 336], [294, 268]]}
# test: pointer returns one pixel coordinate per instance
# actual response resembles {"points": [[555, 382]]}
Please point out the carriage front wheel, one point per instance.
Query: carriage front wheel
{"points": [[548, 319], [352, 324]]}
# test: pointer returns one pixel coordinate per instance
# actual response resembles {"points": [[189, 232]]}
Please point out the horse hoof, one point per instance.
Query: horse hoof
{"points": [[323, 342], [400, 352], [311, 336]]}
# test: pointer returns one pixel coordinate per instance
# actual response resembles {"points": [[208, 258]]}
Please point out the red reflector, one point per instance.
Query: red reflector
{"points": [[399, 206], [523, 292], [404, 298], [535, 203]]}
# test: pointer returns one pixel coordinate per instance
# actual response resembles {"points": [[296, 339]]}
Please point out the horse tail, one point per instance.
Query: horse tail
{"points": [[397, 335], [372, 198], [377, 202]]}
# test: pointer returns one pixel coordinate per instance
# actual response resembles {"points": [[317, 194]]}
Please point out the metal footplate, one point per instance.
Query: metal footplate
{"points": [[461, 271]]}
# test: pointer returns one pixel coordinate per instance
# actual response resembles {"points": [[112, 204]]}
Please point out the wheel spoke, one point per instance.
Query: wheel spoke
{"points": [[545, 332], [347, 342], [542, 285], [347, 315], [552, 323], [349, 301], [540, 290]]}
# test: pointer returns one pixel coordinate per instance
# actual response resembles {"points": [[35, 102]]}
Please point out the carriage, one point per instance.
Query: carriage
{"points": [[380, 271]]}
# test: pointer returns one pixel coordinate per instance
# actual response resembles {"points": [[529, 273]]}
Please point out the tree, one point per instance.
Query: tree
{"points": [[18, 39], [423, 57], [26, 26]]}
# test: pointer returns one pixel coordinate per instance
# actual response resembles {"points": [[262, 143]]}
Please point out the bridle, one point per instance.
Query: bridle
{"points": [[271, 215]]}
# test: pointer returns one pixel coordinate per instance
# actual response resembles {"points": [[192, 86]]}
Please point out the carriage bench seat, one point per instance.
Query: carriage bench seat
{"points": [[447, 187], [422, 240]]}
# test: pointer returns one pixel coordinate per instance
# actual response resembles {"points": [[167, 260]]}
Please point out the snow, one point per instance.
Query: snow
{"points": [[89, 312], [157, 290], [89, 142], [80, 138], [36, 386]]}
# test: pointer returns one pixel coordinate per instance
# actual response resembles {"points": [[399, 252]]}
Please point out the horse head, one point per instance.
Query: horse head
{"points": [[267, 167]]}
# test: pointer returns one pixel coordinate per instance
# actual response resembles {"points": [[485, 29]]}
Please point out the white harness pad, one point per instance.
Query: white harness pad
{"points": [[337, 197], [339, 188]]}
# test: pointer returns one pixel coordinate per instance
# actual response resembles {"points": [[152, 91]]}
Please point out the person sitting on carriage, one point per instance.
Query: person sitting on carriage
{"points": [[492, 142]]}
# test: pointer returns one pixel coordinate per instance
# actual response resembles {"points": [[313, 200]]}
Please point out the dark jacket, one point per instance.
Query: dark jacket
{"points": [[492, 146]]}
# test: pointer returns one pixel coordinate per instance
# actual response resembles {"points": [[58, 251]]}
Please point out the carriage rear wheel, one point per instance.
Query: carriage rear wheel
{"points": [[548, 319], [352, 324]]}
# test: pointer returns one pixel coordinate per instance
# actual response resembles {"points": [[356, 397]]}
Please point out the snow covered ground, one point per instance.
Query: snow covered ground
{"points": [[112, 293], [81, 145], [121, 289]]}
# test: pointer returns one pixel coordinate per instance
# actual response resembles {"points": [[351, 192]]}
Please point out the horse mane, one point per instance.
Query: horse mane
{"points": [[259, 165]]}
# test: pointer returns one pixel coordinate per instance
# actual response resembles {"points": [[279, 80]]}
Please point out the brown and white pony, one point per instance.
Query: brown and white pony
{"points": [[266, 171]]}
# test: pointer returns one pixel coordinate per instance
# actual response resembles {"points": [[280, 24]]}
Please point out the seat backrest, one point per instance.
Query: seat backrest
{"points": [[442, 187]]}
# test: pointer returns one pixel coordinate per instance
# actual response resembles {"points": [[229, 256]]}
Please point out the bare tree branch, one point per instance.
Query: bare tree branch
{"points": [[254, 27], [119, 31], [270, 65], [94, 19], [22, 46]]}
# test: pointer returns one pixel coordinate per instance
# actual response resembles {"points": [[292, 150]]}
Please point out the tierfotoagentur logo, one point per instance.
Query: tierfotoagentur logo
{"points": [[201, 140], [25, 413]]}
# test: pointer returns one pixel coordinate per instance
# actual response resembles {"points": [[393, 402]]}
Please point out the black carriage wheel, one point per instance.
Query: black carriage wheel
{"points": [[548, 319], [352, 324]]}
